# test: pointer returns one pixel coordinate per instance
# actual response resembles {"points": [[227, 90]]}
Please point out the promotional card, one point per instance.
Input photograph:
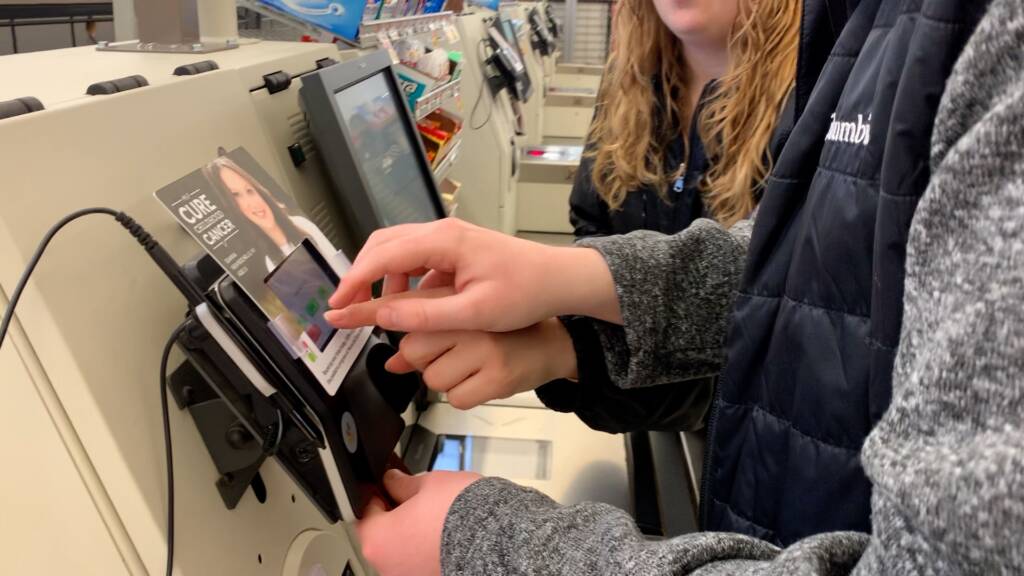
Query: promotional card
{"points": [[281, 259]]}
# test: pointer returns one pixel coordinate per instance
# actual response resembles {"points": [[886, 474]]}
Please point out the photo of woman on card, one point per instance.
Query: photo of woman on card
{"points": [[275, 231]]}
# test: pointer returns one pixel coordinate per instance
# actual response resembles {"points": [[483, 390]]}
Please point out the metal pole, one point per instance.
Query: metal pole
{"points": [[192, 26], [218, 20], [124, 20]]}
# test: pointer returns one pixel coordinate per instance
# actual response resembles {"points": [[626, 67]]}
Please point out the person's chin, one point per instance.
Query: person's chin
{"points": [[264, 225], [687, 27]]}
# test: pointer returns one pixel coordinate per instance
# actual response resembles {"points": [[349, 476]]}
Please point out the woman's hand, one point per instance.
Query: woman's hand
{"points": [[406, 541], [475, 367], [476, 279]]}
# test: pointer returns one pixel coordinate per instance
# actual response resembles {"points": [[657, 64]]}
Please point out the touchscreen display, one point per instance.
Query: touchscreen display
{"points": [[303, 283], [385, 153]]}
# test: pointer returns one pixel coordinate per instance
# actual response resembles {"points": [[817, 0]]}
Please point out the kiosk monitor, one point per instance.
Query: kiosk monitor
{"points": [[368, 140]]}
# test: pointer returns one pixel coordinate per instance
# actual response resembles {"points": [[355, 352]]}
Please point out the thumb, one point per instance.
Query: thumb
{"points": [[401, 486], [374, 508], [397, 364], [370, 523]]}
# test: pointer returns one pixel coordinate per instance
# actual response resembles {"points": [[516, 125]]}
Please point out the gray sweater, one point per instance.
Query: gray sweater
{"points": [[947, 459]]}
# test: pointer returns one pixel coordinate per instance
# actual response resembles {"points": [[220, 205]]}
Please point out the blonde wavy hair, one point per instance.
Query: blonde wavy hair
{"points": [[736, 125]]}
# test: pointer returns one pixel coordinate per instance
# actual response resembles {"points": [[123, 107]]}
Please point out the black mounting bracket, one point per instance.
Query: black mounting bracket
{"points": [[236, 452]]}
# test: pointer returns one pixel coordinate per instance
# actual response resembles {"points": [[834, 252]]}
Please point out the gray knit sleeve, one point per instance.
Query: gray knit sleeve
{"points": [[947, 460], [496, 528], [675, 293]]}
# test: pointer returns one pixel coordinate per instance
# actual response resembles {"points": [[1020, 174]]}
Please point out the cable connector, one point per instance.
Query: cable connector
{"points": [[136, 230], [160, 256], [164, 260]]}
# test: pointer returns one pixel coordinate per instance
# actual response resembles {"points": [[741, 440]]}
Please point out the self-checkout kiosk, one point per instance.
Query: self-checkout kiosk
{"points": [[270, 469], [572, 90], [512, 17], [548, 164], [570, 75], [540, 32], [543, 40], [82, 360], [568, 112], [555, 28], [510, 118], [488, 162], [545, 32]]}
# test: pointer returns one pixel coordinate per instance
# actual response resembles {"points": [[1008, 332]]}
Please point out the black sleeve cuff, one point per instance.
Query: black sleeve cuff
{"points": [[567, 395]]}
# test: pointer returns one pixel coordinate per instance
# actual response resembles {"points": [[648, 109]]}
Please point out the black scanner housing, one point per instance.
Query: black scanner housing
{"points": [[309, 418]]}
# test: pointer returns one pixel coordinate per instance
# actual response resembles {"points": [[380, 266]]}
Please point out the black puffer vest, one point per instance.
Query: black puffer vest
{"points": [[816, 325]]}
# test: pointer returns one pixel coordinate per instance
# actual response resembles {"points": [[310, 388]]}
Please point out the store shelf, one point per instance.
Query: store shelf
{"points": [[441, 26], [437, 97], [442, 170]]}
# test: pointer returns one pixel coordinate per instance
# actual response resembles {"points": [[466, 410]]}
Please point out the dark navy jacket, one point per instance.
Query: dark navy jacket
{"points": [[604, 406], [816, 325], [645, 208]]}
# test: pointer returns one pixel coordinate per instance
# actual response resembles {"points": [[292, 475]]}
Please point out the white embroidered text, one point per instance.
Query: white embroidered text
{"points": [[858, 132]]}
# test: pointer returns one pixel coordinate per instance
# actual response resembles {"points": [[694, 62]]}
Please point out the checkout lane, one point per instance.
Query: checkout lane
{"points": [[118, 152]]}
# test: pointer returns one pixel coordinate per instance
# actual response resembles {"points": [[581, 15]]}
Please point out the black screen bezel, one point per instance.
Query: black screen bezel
{"points": [[361, 211]]}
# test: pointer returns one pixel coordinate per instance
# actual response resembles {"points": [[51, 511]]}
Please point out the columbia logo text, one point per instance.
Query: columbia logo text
{"points": [[858, 132]]}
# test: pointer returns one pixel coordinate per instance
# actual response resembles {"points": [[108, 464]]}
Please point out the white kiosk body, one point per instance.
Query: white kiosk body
{"points": [[488, 157], [81, 363]]}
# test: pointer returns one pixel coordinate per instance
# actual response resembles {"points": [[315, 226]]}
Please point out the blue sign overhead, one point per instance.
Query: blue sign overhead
{"points": [[433, 6], [339, 17], [489, 4]]}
